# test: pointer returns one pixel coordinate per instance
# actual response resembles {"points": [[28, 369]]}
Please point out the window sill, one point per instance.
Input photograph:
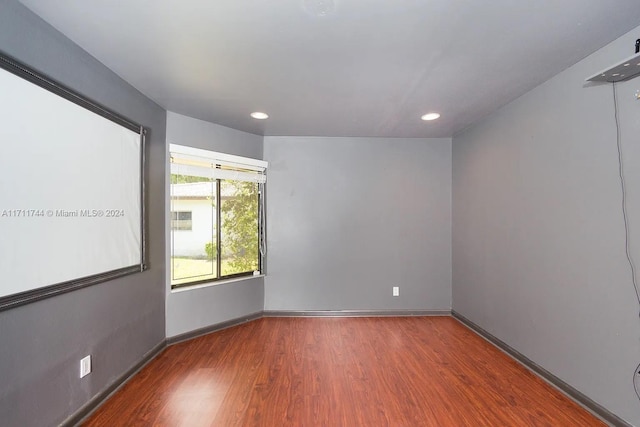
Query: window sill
{"points": [[217, 283]]}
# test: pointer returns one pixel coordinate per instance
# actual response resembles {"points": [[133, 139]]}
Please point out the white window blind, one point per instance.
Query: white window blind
{"points": [[210, 164]]}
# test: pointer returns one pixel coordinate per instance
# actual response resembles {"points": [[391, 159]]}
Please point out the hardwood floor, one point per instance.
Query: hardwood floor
{"points": [[407, 371]]}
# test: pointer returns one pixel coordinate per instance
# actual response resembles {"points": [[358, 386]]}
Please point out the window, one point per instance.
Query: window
{"points": [[181, 221], [217, 216]]}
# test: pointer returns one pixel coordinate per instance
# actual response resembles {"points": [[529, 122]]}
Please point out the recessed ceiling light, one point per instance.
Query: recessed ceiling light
{"points": [[430, 116], [260, 116], [319, 8]]}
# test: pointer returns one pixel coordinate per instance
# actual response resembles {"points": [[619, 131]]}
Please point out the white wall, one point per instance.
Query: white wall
{"points": [[191, 243], [538, 237], [192, 309]]}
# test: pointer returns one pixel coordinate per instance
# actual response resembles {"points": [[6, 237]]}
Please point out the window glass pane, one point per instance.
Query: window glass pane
{"points": [[193, 229], [239, 222], [181, 221]]}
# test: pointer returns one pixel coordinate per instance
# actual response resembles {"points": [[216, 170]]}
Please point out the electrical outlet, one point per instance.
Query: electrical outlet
{"points": [[85, 366], [396, 291]]}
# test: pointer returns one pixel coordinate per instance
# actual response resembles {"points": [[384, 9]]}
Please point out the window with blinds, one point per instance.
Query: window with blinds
{"points": [[217, 216]]}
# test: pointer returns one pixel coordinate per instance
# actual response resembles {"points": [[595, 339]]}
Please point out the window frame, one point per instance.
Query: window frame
{"points": [[226, 161]]}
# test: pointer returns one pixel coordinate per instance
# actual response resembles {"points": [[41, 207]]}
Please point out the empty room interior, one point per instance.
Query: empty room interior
{"points": [[338, 213]]}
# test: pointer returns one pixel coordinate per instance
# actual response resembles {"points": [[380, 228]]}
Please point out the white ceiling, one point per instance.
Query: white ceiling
{"points": [[339, 67]]}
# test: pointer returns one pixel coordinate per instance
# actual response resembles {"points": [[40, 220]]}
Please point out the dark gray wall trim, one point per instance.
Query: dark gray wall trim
{"points": [[574, 394], [22, 70], [88, 408], [16, 300], [354, 313], [302, 313], [214, 328]]}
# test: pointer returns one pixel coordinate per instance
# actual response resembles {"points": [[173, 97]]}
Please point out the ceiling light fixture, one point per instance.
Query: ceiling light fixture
{"points": [[260, 116], [430, 116]]}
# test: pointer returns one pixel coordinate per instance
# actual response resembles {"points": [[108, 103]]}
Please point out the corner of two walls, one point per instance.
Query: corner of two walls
{"points": [[538, 235], [193, 309], [347, 219]]}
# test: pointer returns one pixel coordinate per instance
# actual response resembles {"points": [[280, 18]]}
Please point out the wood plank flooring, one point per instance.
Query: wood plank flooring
{"points": [[407, 371]]}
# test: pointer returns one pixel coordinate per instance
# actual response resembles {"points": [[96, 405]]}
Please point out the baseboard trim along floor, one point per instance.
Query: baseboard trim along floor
{"points": [[214, 328], [354, 313], [574, 394], [92, 405]]}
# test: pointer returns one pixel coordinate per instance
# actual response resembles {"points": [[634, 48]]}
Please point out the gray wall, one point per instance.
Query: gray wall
{"points": [[117, 322], [538, 237], [348, 218], [196, 308]]}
